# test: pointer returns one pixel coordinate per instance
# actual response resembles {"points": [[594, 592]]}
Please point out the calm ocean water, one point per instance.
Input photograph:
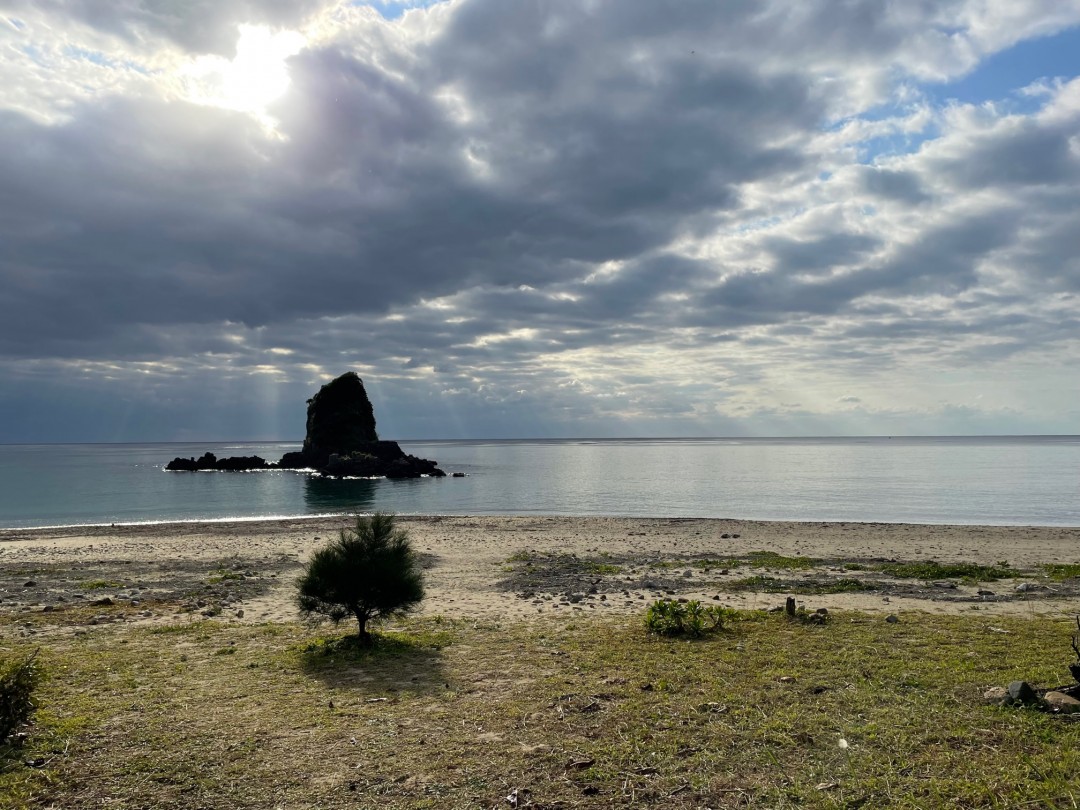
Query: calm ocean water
{"points": [[992, 480]]}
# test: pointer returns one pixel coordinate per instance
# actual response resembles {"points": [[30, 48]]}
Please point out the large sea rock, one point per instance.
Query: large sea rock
{"points": [[341, 440]]}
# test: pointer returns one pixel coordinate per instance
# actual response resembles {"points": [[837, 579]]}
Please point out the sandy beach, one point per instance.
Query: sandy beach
{"points": [[245, 571]]}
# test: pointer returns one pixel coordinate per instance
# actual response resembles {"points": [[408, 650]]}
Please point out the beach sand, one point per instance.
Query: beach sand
{"points": [[248, 569]]}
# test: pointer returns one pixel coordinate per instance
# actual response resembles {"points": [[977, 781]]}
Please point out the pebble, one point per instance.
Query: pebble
{"points": [[892, 619]]}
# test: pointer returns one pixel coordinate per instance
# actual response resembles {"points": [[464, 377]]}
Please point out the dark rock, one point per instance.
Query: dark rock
{"points": [[340, 419], [1021, 693], [295, 460], [891, 619], [208, 461]]}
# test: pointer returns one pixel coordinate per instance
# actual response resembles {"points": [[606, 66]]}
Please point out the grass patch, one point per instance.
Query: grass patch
{"points": [[101, 584], [766, 584], [589, 714], [770, 559], [591, 567], [224, 576], [930, 569], [1062, 571]]}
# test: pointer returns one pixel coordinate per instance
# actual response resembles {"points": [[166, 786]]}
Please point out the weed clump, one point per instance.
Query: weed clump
{"points": [[666, 617]]}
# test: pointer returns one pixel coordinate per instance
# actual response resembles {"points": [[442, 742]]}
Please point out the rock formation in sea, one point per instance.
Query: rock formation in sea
{"points": [[341, 440]]}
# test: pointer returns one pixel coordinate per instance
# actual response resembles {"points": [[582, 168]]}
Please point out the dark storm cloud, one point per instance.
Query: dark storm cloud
{"points": [[169, 212], [493, 197], [898, 186]]}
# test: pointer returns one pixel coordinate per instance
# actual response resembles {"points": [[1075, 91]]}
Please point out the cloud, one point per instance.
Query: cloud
{"points": [[597, 213]]}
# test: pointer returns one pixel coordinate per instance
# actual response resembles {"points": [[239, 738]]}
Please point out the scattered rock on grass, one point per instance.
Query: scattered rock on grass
{"points": [[1021, 693], [1062, 703]]}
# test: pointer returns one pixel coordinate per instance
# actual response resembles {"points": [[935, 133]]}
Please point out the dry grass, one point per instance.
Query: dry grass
{"points": [[588, 714]]}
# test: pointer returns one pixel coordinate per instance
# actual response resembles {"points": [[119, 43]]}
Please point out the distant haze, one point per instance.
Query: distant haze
{"points": [[593, 218]]}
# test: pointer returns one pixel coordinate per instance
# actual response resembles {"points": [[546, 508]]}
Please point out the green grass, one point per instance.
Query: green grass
{"points": [[591, 567], [767, 584], [755, 559], [589, 714], [769, 559], [1061, 571], [101, 584], [930, 569], [224, 576]]}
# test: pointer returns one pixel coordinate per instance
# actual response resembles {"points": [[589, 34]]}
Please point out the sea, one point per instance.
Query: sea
{"points": [[995, 480]]}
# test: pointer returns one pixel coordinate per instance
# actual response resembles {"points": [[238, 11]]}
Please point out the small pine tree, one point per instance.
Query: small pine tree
{"points": [[369, 572], [18, 678]]}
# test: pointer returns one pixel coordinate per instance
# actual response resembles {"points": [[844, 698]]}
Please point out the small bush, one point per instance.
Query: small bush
{"points": [[666, 617], [18, 679]]}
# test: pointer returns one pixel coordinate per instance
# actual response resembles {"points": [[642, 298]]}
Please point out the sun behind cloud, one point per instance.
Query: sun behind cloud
{"points": [[252, 79]]}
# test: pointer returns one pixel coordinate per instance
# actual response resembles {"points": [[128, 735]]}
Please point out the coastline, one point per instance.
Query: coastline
{"points": [[470, 564]]}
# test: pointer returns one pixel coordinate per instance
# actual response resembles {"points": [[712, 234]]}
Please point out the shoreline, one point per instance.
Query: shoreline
{"points": [[422, 516], [245, 570]]}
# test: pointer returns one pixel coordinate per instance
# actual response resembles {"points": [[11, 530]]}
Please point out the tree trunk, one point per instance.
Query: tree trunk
{"points": [[363, 635]]}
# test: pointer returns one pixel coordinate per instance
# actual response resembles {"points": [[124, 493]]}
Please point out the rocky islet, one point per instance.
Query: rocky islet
{"points": [[340, 441]]}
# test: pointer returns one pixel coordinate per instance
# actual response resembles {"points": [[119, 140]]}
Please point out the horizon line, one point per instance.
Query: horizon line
{"points": [[581, 439]]}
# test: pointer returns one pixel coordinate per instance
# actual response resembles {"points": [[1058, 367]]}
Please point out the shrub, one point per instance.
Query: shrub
{"points": [[370, 572], [17, 681], [666, 617]]}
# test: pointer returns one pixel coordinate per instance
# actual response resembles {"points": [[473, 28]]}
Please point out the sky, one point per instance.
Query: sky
{"points": [[539, 218]]}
